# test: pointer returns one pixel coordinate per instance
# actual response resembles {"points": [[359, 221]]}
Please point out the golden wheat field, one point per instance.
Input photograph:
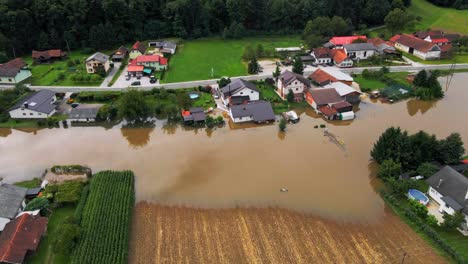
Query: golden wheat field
{"points": [[163, 234]]}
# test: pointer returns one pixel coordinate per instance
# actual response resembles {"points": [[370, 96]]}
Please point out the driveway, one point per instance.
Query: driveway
{"points": [[110, 75], [123, 83]]}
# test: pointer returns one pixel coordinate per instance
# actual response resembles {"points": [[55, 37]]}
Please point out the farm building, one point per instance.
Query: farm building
{"points": [[420, 48], [47, 56]]}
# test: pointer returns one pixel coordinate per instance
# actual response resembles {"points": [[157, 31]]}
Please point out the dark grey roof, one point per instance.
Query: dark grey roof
{"points": [[260, 111], [84, 112], [237, 85], [11, 198], [449, 182], [40, 101], [165, 44], [197, 114], [288, 77], [307, 58], [235, 100], [359, 47], [33, 191], [460, 167], [99, 57], [11, 68], [452, 203]]}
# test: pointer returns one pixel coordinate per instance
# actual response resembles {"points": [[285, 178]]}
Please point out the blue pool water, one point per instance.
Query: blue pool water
{"points": [[194, 95], [418, 195]]}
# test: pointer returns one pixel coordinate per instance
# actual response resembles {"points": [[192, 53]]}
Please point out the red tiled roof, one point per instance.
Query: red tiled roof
{"points": [[376, 41], [415, 43], [395, 38], [440, 40], [322, 52], [346, 40], [20, 236], [11, 68], [54, 53], [328, 111], [319, 76], [445, 48], [135, 68], [139, 46], [151, 58], [338, 55], [341, 105]]}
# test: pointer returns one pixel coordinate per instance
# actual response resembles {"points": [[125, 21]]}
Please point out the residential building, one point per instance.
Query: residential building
{"points": [[164, 46], [37, 105], [136, 70], [436, 36], [47, 56], [449, 189], [255, 111], [323, 101], [292, 82], [326, 75], [422, 49], [84, 113], [341, 59], [97, 60], [340, 41], [194, 115], [21, 237], [14, 71], [322, 55], [359, 51], [137, 49], [12, 202], [239, 91], [346, 92], [153, 62], [120, 55], [382, 47]]}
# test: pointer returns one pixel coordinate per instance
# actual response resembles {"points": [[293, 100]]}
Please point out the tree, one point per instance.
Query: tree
{"points": [[427, 169], [397, 20], [66, 237], [101, 71], [418, 208], [290, 96], [38, 203], [452, 221], [249, 53], [424, 148], [133, 106], [420, 79], [389, 169], [184, 100], [399, 187], [259, 50], [298, 66], [451, 149], [223, 82], [276, 73], [282, 125], [253, 66], [393, 144]]}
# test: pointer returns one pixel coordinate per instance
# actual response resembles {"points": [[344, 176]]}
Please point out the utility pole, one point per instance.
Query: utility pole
{"points": [[450, 76], [68, 47], [404, 256]]}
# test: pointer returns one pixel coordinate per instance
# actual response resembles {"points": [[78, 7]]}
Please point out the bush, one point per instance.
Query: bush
{"points": [[66, 237], [389, 169], [67, 192], [418, 208], [81, 204], [38, 203], [427, 169]]}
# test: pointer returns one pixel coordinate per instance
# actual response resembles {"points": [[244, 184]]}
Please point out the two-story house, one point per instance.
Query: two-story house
{"points": [[239, 91], [292, 82], [97, 60], [359, 51], [14, 71], [153, 62], [137, 49]]}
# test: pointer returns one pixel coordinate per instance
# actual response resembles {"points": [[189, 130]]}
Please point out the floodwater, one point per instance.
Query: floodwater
{"points": [[244, 166]]}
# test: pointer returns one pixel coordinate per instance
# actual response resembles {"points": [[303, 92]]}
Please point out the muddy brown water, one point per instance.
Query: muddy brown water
{"points": [[244, 166]]}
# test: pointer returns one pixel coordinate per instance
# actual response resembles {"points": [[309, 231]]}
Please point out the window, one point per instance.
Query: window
{"points": [[9, 80], [24, 113], [241, 92], [251, 91], [297, 89], [295, 82], [31, 114]]}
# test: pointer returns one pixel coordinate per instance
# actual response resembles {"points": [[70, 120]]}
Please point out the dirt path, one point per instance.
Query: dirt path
{"points": [[164, 234]]}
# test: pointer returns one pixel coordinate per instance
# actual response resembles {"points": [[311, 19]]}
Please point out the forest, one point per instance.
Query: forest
{"points": [[102, 24]]}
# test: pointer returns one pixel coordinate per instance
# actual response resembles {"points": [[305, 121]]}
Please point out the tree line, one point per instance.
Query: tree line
{"points": [[101, 24]]}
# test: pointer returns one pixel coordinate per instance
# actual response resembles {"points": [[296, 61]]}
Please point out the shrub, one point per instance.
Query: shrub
{"points": [[67, 192], [81, 204], [418, 208], [66, 237], [282, 125], [210, 122], [389, 169], [38, 203]]}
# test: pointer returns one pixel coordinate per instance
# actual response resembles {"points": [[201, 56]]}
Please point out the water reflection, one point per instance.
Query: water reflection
{"points": [[137, 137], [414, 106], [5, 132]]}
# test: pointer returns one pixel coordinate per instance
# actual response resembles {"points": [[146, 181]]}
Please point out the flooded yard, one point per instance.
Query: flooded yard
{"points": [[246, 166]]}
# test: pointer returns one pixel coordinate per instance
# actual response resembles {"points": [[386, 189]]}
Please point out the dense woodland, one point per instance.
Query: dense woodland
{"points": [[97, 24]]}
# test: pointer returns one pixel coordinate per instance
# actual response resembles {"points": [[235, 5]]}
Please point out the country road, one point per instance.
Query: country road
{"points": [[181, 85]]}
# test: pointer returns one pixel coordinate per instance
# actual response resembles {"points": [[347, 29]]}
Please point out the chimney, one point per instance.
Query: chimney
{"points": [[26, 105], [466, 195], [1, 181], [440, 182]]}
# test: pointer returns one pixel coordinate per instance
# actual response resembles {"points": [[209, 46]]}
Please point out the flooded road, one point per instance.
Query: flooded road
{"points": [[244, 166]]}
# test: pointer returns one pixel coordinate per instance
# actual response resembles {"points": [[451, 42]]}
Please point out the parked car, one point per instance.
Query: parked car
{"points": [[127, 78], [70, 101], [153, 80], [75, 105], [136, 83], [138, 77]]}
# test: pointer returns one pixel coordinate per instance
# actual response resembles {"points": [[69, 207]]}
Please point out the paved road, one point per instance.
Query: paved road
{"points": [[265, 75], [111, 74]]}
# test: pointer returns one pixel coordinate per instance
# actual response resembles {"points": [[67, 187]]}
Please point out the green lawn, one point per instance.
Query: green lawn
{"points": [[456, 240], [205, 100], [48, 74], [44, 254], [371, 84], [34, 183], [211, 58], [457, 58]]}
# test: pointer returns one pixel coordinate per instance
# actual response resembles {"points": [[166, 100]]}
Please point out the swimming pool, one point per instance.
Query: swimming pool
{"points": [[418, 195], [194, 96]]}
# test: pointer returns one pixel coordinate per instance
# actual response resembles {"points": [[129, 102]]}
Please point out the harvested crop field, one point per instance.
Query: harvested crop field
{"points": [[163, 234]]}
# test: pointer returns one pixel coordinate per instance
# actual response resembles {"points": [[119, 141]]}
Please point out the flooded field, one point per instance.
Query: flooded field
{"points": [[246, 166]]}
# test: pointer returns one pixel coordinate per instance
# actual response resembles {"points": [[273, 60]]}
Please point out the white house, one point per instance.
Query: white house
{"points": [[449, 189], [321, 55], [418, 47], [96, 60], [35, 106], [14, 71], [164, 46], [239, 91], [360, 51], [12, 202], [137, 49], [296, 83], [256, 111]]}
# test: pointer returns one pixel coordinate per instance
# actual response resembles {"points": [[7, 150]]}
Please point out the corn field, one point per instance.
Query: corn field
{"points": [[107, 219]]}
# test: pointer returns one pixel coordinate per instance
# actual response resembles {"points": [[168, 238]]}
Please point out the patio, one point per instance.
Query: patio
{"points": [[433, 209]]}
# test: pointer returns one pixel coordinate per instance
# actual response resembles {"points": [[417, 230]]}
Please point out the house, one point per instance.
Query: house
{"points": [[255, 111], [418, 47], [292, 82], [151, 63], [359, 51], [322, 100], [449, 189], [194, 115], [12, 202], [97, 60], [21, 237], [164, 46], [37, 105], [322, 55], [382, 47], [307, 59], [136, 70], [436, 36], [84, 113], [14, 71], [346, 92], [341, 59], [120, 55], [340, 41], [239, 91], [47, 56], [137, 49], [324, 76]]}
